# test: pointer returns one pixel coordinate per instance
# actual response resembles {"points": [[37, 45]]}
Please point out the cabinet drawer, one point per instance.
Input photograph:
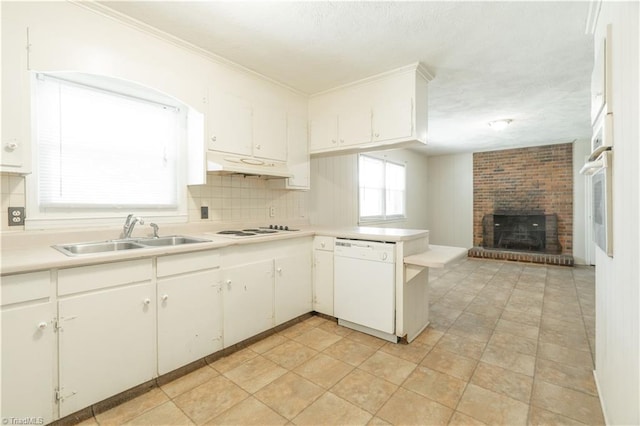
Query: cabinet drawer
{"points": [[25, 287], [323, 243], [87, 278], [188, 262]]}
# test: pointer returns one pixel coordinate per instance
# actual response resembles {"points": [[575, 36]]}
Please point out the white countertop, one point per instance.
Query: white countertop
{"points": [[436, 256], [33, 252]]}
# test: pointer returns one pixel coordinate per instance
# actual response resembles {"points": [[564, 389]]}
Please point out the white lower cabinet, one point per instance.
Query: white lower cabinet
{"points": [[107, 336], [248, 300], [292, 286], [28, 353], [323, 275], [189, 309]]}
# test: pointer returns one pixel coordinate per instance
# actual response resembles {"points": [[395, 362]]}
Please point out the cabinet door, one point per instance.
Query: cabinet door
{"points": [[298, 153], [393, 119], [323, 282], [15, 151], [323, 132], [189, 318], [28, 348], [270, 133], [292, 287], [354, 126], [106, 344], [230, 123], [248, 300]]}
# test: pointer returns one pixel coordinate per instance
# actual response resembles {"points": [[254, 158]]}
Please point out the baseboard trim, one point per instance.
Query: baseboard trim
{"points": [[604, 412]]}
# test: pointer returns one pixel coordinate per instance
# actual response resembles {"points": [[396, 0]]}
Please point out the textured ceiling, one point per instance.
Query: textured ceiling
{"points": [[526, 61]]}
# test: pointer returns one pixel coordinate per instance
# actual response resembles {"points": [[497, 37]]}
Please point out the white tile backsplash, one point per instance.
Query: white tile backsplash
{"points": [[234, 198]]}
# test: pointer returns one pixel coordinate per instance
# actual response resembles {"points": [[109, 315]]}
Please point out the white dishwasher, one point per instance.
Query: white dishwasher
{"points": [[364, 286]]}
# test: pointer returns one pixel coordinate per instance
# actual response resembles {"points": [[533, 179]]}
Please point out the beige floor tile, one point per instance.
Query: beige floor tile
{"points": [[249, 412], [490, 312], [297, 329], [532, 319], [460, 419], [506, 382], [567, 402], [317, 339], [461, 345], [333, 327], [349, 351], [377, 421], [210, 399], [510, 342], [408, 408], [470, 331], [413, 352], [367, 339], [514, 361], [316, 321], [569, 339], [255, 373], [324, 370], [565, 355], [518, 329], [388, 367], [330, 409], [290, 354], [268, 343], [437, 386], [133, 408], [189, 381], [492, 408], [232, 361], [470, 318], [541, 417], [549, 323], [450, 363], [289, 394], [91, 421], [166, 414], [429, 337], [364, 390], [569, 376]]}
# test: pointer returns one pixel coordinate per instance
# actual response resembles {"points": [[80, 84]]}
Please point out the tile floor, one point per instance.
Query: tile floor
{"points": [[509, 344]]}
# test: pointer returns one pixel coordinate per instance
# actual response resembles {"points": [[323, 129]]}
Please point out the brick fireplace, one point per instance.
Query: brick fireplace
{"points": [[523, 204]]}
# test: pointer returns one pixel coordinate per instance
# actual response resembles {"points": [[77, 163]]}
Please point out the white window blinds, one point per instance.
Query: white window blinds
{"points": [[102, 149], [382, 189]]}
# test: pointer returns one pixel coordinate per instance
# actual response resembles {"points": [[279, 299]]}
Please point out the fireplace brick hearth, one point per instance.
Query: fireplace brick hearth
{"points": [[526, 182]]}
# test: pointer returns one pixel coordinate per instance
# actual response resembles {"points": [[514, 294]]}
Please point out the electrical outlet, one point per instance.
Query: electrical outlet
{"points": [[16, 216], [204, 212], [272, 211]]}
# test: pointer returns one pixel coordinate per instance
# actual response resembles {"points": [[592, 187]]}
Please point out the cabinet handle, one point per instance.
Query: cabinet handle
{"points": [[11, 146], [164, 297], [279, 271], [147, 301], [322, 245], [341, 140], [228, 284], [213, 138], [42, 325], [258, 146], [377, 135], [333, 141]]}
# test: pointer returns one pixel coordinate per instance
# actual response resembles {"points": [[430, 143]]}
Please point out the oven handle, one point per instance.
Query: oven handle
{"points": [[591, 167]]}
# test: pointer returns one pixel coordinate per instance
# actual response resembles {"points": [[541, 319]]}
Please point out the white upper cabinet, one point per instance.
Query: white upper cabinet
{"points": [[230, 124], [243, 127], [298, 152], [381, 112]]}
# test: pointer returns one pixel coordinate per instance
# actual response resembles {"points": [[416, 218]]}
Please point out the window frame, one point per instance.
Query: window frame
{"points": [[87, 216], [384, 217]]}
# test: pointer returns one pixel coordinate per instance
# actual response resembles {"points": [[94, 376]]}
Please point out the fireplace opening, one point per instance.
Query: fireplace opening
{"points": [[519, 232]]}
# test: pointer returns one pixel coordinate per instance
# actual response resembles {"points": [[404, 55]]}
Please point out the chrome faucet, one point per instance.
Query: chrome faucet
{"points": [[129, 224], [155, 230]]}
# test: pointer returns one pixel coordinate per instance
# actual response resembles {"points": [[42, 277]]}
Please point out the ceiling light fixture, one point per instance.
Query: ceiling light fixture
{"points": [[499, 124]]}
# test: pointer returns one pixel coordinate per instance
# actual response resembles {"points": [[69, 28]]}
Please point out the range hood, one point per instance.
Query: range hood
{"points": [[221, 163]]}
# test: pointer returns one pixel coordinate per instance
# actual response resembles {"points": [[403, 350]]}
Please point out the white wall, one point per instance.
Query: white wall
{"points": [[450, 203], [617, 282], [334, 189]]}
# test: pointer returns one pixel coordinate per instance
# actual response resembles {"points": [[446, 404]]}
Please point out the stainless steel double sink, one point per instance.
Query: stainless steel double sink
{"points": [[78, 249]]}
